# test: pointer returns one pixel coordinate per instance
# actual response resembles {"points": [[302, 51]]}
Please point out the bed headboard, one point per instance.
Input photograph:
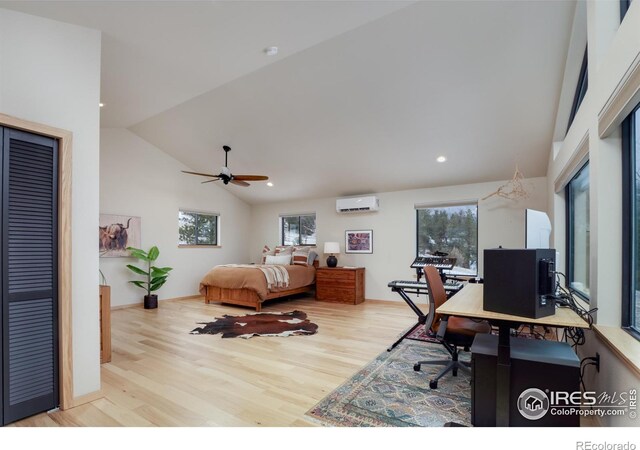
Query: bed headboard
{"points": [[316, 263]]}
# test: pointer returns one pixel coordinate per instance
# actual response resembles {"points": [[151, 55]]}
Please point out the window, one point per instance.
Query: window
{"points": [[578, 232], [581, 89], [453, 230], [624, 7], [298, 230], [631, 223], [196, 228]]}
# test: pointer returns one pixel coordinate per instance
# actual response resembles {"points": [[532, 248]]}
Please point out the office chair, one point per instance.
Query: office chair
{"points": [[460, 330]]}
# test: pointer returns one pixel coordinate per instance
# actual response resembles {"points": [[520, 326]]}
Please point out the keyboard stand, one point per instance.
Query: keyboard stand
{"points": [[422, 318]]}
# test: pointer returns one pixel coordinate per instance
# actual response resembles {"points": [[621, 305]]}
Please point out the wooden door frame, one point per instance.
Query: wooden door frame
{"points": [[65, 335]]}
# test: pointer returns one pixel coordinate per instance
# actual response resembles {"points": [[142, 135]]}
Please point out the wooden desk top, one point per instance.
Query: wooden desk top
{"points": [[468, 303]]}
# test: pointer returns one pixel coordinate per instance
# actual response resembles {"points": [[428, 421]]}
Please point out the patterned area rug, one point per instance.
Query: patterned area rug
{"points": [[388, 392], [419, 334]]}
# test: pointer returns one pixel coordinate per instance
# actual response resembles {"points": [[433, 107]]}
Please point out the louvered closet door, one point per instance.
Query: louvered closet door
{"points": [[29, 274]]}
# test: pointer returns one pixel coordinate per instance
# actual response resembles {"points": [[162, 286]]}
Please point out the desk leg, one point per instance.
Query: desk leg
{"points": [[503, 380]]}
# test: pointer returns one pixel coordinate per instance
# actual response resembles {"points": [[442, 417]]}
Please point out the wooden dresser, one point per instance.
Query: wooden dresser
{"points": [[340, 284]]}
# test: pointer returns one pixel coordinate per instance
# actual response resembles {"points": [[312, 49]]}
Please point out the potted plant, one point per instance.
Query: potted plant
{"points": [[155, 276]]}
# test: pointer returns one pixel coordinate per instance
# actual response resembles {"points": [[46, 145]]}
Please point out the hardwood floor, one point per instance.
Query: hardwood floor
{"points": [[160, 375]]}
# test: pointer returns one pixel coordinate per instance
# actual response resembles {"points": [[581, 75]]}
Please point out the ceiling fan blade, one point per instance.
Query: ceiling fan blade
{"points": [[198, 173], [210, 181], [240, 183], [250, 177]]}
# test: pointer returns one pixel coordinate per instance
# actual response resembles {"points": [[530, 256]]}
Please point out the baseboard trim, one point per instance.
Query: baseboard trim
{"points": [[87, 398], [133, 305], [375, 300]]}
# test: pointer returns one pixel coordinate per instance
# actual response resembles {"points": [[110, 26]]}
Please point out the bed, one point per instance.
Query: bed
{"points": [[247, 286]]}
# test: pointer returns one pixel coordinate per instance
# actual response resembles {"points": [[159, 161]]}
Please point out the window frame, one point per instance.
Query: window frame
{"points": [[569, 232], [580, 94], [197, 214], [448, 205], [629, 212], [624, 7], [299, 216]]}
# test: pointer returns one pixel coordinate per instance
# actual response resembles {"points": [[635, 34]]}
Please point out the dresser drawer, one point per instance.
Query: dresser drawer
{"points": [[336, 275], [339, 295], [337, 283]]}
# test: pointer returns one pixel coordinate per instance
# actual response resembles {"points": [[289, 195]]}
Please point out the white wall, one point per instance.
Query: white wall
{"points": [[50, 73], [612, 48], [501, 222], [138, 179]]}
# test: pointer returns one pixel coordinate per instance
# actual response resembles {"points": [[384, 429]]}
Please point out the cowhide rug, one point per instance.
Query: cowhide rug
{"points": [[292, 323]]}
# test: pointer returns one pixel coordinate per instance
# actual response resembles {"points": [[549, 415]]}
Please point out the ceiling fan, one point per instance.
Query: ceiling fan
{"points": [[226, 176]]}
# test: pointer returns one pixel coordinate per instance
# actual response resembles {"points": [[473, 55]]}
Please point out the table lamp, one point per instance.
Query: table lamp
{"points": [[333, 248]]}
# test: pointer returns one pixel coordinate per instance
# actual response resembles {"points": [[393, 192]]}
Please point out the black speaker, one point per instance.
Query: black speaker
{"points": [[520, 282]]}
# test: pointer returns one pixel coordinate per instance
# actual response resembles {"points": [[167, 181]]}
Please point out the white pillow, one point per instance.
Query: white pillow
{"points": [[312, 257], [278, 259]]}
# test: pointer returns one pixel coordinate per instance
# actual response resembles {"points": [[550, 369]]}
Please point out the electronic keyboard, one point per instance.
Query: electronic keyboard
{"points": [[449, 285], [439, 262]]}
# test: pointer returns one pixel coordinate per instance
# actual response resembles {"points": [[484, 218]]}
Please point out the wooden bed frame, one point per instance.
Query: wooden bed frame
{"points": [[247, 297]]}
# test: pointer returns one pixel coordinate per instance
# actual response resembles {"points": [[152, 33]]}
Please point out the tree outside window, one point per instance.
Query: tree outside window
{"points": [[452, 230], [298, 230], [197, 228]]}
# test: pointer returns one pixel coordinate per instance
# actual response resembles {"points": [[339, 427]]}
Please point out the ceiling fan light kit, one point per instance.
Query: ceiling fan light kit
{"points": [[226, 176]]}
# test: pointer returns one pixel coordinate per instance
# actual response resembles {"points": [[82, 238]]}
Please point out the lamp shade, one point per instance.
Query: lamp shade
{"points": [[332, 247]]}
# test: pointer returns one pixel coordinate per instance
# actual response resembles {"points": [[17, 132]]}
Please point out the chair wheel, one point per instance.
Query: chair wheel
{"points": [[416, 367], [433, 384]]}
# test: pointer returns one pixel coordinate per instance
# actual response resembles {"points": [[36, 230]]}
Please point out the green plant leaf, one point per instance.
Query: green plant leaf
{"points": [[157, 285], [136, 253], [158, 273], [154, 253], [137, 270], [158, 278], [140, 284], [164, 269], [155, 280]]}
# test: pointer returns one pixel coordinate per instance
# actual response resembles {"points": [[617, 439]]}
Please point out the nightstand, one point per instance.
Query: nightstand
{"points": [[340, 284]]}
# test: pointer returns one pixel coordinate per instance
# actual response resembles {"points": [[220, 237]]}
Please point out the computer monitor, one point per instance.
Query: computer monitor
{"points": [[537, 229]]}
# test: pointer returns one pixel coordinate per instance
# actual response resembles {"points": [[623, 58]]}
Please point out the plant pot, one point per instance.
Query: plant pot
{"points": [[150, 301]]}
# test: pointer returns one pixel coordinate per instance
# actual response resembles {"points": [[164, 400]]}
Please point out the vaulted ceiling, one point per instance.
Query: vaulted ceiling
{"points": [[362, 97]]}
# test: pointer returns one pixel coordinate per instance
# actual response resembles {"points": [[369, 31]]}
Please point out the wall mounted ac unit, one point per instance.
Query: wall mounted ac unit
{"points": [[357, 204]]}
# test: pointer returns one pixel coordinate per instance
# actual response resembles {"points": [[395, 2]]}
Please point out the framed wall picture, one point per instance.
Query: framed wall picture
{"points": [[116, 233], [358, 241]]}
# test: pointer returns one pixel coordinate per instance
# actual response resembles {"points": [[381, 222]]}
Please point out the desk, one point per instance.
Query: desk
{"points": [[468, 303]]}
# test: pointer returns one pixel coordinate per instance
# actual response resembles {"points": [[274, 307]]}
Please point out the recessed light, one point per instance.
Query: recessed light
{"points": [[271, 51], [441, 159], [100, 105], [270, 184]]}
